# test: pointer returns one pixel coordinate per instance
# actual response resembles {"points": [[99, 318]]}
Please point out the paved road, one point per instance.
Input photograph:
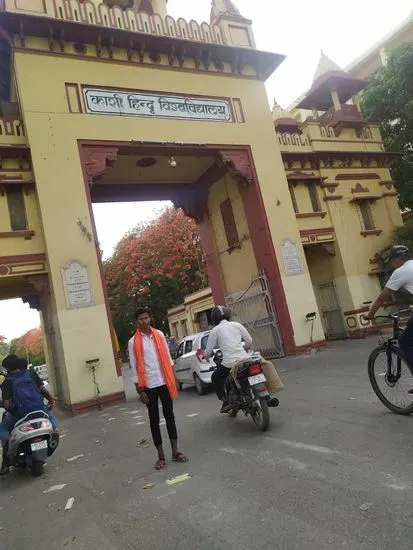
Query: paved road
{"points": [[332, 448]]}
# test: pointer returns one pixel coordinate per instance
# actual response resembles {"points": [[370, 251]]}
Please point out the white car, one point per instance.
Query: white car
{"points": [[42, 371], [190, 365]]}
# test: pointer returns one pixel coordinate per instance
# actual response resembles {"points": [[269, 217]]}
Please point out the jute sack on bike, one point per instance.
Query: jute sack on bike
{"points": [[274, 382]]}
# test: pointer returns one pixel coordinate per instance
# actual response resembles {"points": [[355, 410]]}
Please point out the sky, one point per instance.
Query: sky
{"points": [[298, 29]]}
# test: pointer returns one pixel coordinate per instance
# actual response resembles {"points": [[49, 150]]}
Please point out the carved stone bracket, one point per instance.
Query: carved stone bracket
{"points": [[238, 164], [359, 189], [97, 159], [40, 283], [33, 301], [193, 202]]}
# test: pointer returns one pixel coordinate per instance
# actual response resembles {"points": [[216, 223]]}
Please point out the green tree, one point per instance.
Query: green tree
{"points": [[13, 345], [389, 100]]}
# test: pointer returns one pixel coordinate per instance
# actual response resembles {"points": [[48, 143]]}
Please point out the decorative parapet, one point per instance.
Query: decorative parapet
{"points": [[290, 142], [90, 12], [12, 131]]}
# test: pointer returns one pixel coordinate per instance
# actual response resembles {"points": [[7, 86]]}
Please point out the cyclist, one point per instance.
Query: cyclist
{"points": [[402, 278]]}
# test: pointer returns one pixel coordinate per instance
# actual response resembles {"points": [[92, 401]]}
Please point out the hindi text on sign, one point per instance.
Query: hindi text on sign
{"points": [[120, 103]]}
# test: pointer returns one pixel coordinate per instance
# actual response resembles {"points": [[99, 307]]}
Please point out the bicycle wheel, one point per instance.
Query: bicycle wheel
{"points": [[391, 379]]}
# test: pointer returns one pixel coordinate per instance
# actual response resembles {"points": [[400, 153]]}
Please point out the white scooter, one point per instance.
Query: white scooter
{"points": [[31, 442]]}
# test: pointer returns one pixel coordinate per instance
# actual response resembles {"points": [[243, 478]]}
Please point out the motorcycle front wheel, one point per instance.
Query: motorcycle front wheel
{"points": [[261, 415]]}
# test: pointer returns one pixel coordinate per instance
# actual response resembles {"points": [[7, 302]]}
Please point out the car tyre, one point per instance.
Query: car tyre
{"points": [[200, 386]]}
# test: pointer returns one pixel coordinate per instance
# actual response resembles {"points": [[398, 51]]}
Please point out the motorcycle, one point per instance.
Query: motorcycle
{"points": [[31, 442], [246, 391]]}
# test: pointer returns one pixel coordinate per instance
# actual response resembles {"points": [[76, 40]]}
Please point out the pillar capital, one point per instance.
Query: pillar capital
{"points": [[40, 283], [238, 164], [97, 159]]}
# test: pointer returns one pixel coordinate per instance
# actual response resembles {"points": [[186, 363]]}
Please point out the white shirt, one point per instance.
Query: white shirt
{"points": [[228, 337], [402, 277], [153, 371]]}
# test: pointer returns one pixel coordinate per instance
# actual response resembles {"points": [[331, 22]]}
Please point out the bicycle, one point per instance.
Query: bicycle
{"points": [[387, 376]]}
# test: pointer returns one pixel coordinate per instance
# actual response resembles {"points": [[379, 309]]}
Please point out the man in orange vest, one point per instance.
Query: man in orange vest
{"points": [[154, 377]]}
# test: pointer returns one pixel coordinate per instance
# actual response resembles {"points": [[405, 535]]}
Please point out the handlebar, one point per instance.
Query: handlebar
{"points": [[395, 316]]}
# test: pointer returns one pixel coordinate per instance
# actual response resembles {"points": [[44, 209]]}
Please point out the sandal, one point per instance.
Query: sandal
{"points": [[181, 458], [160, 464]]}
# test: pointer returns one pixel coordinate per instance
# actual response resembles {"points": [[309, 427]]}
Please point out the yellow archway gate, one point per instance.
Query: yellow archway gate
{"points": [[120, 86]]}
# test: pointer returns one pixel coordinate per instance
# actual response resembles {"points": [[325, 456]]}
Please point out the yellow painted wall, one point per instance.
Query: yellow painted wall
{"points": [[369, 66], [193, 305], [53, 132], [238, 266], [14, 246]]}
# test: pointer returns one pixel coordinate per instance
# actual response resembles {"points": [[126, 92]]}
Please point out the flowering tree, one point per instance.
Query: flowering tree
{"points": [[30, 346], [154, 265]]}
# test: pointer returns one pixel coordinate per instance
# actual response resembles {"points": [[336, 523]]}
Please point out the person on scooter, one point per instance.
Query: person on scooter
{"points": [[22, 393], [234, 340]]}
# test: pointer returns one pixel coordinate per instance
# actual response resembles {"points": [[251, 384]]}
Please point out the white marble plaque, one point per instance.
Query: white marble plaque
{"points": [[112, 102], [76, 284], [291, 258]]}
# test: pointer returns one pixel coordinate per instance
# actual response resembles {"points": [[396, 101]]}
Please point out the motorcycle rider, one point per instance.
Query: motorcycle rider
{"points": [[31, 393], [402, 278], [233, 340]]}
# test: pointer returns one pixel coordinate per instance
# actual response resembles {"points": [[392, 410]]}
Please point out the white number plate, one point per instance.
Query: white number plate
{"points": [[258, 379], [38, 446]]}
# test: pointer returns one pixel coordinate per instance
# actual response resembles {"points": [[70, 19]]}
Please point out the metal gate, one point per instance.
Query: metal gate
{"points": [[330, 310], [254, 309]]}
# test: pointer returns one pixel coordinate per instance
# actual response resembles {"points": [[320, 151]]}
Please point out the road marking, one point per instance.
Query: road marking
{"points": [[113, 418], [306, 447], [397, 487], [73, 458], [192, 415], [294, 463], [140, 423], [69, 503], [55, 488], [171, 493], [137, 417], [228, 451]]}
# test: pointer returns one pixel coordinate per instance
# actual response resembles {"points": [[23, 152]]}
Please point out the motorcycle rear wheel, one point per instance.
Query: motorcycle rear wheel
{"points": [[36, 468], [261, 416]]}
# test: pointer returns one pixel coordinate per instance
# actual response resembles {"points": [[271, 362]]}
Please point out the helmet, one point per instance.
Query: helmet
{"points": [[398, 251], [219, 313]]}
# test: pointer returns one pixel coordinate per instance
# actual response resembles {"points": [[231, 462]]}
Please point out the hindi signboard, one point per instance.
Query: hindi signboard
{"points": [[112, 102], [291, 258], [76, 285]]}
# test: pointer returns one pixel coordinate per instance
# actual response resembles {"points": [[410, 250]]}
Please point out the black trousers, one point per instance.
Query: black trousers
{"points": [[154, 394], [218, 379]]}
